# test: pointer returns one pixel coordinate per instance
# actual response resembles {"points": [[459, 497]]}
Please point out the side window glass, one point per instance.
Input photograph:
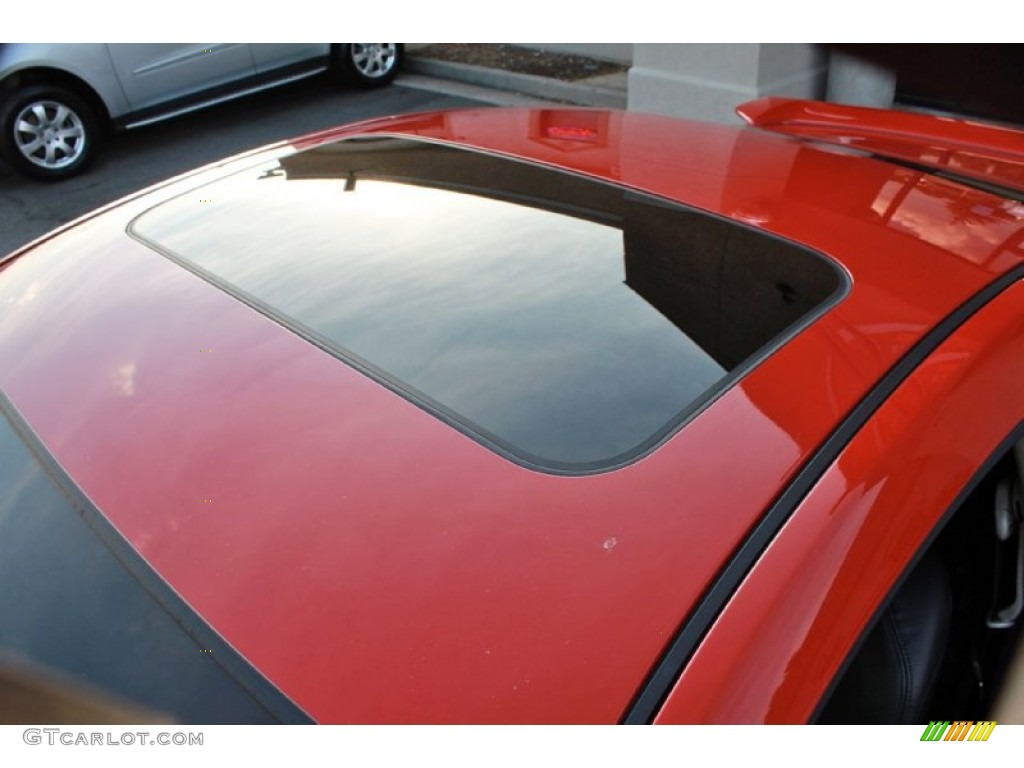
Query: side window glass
{"points": [[943, 647]]}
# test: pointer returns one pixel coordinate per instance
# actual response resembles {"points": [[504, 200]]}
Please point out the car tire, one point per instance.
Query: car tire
{"points": [[368, 65], [49, 132]]}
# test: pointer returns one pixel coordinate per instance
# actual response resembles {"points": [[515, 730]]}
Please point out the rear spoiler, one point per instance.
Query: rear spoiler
{"points": [[990, 154]]}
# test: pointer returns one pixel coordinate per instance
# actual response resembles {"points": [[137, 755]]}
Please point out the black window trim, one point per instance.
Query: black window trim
{"points": [[998, 454], [464, 425], [236, 666], [655, 689]]}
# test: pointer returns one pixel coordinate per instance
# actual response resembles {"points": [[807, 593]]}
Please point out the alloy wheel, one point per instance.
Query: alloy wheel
{"points": [[374, 60], [49, 134]]}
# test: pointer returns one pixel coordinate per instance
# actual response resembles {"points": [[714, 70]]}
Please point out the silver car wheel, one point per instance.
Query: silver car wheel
{"points": [[49, 134], [374, 60]]}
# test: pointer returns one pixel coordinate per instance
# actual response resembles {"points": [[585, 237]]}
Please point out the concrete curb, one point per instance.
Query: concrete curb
{"points": [[542, 87]]}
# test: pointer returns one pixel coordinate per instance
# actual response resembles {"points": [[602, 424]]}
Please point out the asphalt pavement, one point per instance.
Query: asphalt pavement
{"points": [[135, 159]]}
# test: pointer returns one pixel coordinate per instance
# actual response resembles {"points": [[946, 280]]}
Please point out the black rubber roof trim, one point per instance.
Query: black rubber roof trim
{"points": [[652, 694], [950, 174], [447, 415], [1005, 447], [271, 698]]}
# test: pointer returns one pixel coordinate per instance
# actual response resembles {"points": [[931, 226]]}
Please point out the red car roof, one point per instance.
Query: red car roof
{"points": [[978, 151], [380, 566]]}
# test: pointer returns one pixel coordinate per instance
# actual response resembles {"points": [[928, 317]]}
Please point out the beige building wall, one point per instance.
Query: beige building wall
{"points": [[706, 81]]}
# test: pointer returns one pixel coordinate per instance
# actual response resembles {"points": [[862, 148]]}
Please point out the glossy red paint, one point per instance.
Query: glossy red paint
{"points": [[773, 652], [379, 566], [980, 151]]}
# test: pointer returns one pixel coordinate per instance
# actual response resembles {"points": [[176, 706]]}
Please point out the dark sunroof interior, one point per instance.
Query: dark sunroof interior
{"points": [[568, 323]]}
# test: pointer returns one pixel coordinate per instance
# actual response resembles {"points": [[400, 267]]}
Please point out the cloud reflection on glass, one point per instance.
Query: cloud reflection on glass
{"points": [[513, 317]]}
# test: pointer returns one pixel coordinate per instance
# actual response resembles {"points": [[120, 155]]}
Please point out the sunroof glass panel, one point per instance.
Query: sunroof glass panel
{"points": [[567, 322]]}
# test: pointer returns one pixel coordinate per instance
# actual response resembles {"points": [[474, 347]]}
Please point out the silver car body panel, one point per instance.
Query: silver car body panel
{"points": [[151, 73], [269, 56], [89, 62], [134, 77], [227, 97]]}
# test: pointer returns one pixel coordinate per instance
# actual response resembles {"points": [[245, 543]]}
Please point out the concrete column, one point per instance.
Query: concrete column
{"points": [[858, 82], [706, 81]]}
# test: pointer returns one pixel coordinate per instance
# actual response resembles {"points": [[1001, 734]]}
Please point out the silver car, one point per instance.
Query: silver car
{"points": [[58, 100]]}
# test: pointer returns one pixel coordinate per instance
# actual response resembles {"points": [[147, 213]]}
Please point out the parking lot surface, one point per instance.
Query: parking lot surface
{"points": [[135, 159]]}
